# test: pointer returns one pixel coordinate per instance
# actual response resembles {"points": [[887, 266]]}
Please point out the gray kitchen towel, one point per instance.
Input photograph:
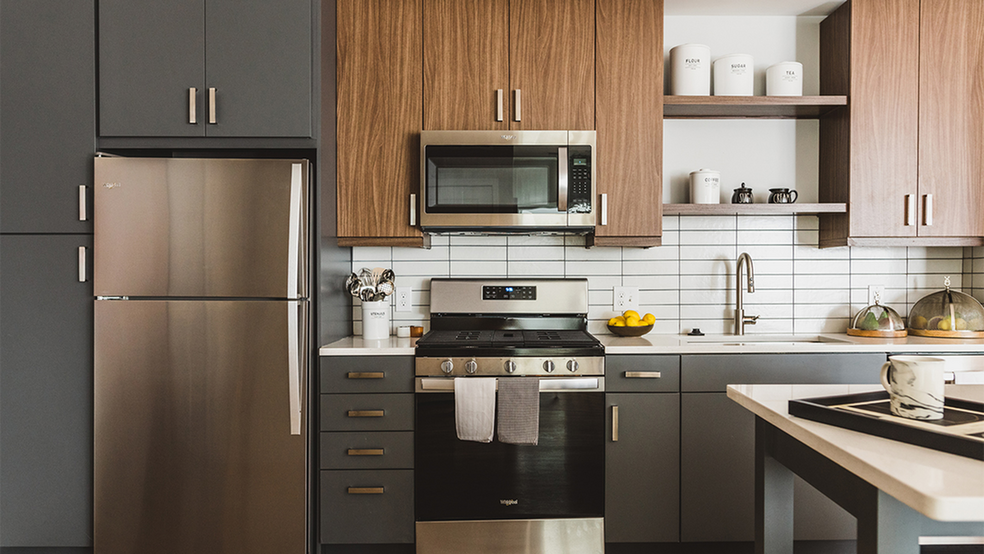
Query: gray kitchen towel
{"points": [[519, 410], [474, 408]]}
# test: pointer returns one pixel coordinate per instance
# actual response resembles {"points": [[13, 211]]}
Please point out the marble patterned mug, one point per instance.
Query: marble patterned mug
{"points": [[915, 386]]}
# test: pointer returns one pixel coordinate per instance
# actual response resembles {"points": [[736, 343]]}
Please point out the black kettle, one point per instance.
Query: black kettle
{"points": [[742, 195]]}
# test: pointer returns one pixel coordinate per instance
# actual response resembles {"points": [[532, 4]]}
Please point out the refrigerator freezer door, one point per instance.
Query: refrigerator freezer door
{"points": [[174, 227], [195, 446]]}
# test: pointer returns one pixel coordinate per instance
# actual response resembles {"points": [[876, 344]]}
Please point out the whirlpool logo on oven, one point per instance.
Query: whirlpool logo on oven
{"points": [[509, 502]]}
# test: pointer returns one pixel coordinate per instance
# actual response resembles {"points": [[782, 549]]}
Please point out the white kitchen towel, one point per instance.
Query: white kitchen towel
{"points": [[519, 410], [474, 408]]}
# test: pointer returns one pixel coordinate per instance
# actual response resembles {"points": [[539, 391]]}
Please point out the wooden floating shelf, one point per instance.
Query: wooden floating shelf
{"points": [[741, 107], [753, 209]]}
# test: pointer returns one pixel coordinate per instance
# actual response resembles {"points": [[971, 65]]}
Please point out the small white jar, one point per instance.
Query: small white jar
{"points": [[784, 79], [705, 187], [734, 75], [690, 70]]}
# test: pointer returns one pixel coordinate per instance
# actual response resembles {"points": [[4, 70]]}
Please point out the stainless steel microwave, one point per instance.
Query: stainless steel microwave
{"points": [[503, 181]]}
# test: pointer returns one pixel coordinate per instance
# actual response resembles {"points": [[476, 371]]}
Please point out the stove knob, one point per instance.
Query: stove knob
{"points": [[510, 366], [572, 365], [471, 366], [548, 366], [447, 366]]}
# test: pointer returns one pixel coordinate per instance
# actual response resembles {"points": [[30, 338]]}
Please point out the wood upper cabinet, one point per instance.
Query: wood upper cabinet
{"points": [[534, 58], [379, 106], [629, 119], [906, 152]]}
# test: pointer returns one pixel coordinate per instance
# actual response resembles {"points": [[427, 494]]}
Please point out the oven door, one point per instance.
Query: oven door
{"points": [[563, 476]]}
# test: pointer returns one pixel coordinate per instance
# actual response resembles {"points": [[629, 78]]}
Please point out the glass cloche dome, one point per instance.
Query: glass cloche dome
{"points": [[947, 313], [877, 321]]}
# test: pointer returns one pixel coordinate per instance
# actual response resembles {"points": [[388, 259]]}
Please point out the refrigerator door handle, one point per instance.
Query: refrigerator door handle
{"points": [[296, 363], [294, 240]]}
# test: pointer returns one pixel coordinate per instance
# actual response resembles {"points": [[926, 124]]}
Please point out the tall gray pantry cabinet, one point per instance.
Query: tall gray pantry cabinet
{"points": [[47, 138], [195, 68]]}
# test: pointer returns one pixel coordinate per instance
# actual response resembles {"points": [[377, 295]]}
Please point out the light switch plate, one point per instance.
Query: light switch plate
{"points": [[872, 290], [625, 298], [403, 296]]}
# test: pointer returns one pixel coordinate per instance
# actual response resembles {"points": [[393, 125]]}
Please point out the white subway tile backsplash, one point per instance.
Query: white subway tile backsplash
{"points": [[689, 281]]}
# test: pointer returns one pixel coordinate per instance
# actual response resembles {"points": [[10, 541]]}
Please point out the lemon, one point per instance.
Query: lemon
{"points": [[630, 313], [618, 322], [632, 321], [649, 319], [944, 324], [613, 321], [919, 322]]}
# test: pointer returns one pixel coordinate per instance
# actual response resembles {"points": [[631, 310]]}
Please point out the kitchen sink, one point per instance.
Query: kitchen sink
{"points": [[734, 340]]}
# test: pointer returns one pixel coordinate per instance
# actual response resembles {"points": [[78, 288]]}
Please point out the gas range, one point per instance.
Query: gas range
{"points": [[509, 327]]}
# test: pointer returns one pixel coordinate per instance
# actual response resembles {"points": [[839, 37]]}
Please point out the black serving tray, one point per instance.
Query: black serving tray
{"points": [[869, 413]]}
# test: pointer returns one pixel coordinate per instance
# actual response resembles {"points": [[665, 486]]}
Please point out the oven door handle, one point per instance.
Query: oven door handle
{"points": [[438, 384]]}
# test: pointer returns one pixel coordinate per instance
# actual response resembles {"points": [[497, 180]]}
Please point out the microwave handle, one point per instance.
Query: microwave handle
{"points": [[562, 168]]}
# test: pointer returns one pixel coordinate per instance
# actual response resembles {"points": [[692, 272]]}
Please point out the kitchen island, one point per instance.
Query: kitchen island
{"points": [[897, 491]]}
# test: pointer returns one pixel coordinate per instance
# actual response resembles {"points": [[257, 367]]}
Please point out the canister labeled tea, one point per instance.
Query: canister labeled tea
{"points": [[784, 79], [690, 70], [734, 75]]}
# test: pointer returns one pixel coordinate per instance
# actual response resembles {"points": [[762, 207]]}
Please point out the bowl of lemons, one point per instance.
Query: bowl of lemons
{"points": [[630, 324]]}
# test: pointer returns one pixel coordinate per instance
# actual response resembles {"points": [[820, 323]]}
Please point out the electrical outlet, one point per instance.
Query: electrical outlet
{"points": [[403, 295], [873, 290], [625, 298]]}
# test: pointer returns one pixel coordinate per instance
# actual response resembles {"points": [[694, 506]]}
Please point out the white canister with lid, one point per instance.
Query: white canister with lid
{"points": [[784, 79], [734, 75], [705, 187], [690, 70]]}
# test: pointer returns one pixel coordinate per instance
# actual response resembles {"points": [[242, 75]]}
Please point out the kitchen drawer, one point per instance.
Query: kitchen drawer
{"points": [[714, 372], [642, 373], [367, 506], [368, 450], [366, 374], [367, 412]]}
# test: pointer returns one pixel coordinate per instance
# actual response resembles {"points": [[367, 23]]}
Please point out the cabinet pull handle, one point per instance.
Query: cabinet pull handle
{"points": [[83, 208], [642, 375], [614, 423], [927, 209], [517, 104], [604, 209], [192, 108], [366, 413], [413, 209], [498, 104], [366, 375], [82, 270], [910, 209], [365, 451], [211, 106], [365, 490]]}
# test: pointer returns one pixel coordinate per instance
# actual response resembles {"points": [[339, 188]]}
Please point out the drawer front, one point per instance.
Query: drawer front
{"points": [[366, 374], [714, 372], [642, 373], [367, 412], [368, 450], [371, 506]]}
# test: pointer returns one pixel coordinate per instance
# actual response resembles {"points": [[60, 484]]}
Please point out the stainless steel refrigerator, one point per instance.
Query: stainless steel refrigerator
{"points": [[201, 356]]}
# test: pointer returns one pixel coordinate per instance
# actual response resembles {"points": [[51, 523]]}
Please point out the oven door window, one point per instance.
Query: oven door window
{"points": [[492, 179], [562, 476]]}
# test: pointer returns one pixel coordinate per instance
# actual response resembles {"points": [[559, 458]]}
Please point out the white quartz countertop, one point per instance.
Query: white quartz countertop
{"points": [[939, 485], [709, 344]]}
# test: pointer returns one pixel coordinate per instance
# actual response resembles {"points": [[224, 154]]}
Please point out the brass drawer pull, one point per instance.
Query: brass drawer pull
{"points": [[614, 423], [366, 413], [642, 375], [365, 490], [366, 375], [365, 451]]}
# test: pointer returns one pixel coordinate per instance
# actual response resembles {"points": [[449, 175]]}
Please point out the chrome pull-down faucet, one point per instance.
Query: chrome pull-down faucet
{"points": [[741, 320]]}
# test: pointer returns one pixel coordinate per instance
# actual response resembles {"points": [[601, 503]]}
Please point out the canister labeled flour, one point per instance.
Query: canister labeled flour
{"points": [[690, 70]]}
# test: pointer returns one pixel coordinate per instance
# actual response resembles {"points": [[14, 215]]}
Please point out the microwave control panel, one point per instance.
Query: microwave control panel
{"points": [[579, 187]]}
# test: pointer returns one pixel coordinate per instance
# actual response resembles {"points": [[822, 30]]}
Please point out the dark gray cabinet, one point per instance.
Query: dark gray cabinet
{"points": [[45, 392], [642, 450], [217, 68], [717, 442], [47, 105], [366, 450]]}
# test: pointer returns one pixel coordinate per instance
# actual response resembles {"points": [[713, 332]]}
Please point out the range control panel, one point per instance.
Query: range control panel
{"points": [[506, 292]]}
